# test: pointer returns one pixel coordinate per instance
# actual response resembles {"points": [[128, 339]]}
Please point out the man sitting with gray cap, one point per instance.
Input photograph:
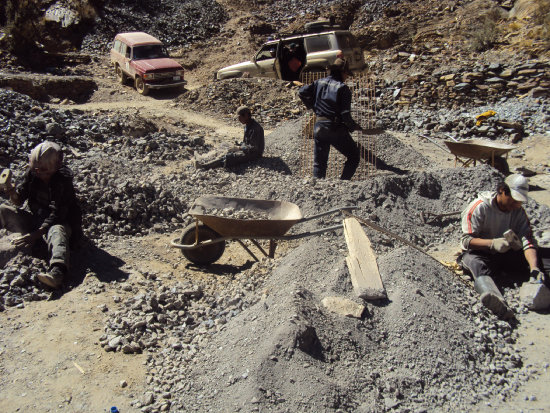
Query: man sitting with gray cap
{"points": [[252, 146], [490, 248]]}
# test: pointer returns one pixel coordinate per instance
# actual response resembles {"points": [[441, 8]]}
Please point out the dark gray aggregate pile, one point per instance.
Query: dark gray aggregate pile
{"points": [[271, 101], [430, 346], [175, 23], [514, 116], [448, 101]]}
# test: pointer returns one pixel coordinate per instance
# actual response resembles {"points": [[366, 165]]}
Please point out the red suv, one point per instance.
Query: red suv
{"points": [[144, 59]]}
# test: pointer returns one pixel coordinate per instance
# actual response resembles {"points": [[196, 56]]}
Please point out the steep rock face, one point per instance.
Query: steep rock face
{"points": [[44, 88], [36, 26]]}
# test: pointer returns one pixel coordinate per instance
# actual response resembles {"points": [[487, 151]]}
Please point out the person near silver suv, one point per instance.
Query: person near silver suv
{"points": [[313, 51]]}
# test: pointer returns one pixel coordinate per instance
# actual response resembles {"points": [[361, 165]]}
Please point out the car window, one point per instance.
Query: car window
{"points": [[346, 41], [149, 51], [317, 44], [267, 52], [116, 46], [125, 50]]}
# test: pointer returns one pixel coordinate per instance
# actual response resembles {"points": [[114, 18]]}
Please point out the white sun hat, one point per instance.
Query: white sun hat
{"points": [[519, 187]]}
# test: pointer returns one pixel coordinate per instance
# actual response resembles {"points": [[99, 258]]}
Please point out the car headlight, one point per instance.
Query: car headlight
{"points": [[179, 72], [149, 76]]}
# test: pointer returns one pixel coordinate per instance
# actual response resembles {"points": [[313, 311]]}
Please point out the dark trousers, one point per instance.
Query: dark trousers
{"points": [[18, 220], [239, 157], [337, 135], [503, 268], [231, 159]]}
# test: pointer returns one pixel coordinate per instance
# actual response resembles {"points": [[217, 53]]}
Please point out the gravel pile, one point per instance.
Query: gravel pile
{"points": [[18, 282], [442, 102], [176, 23], [113, 178], [271, 101], [24, 123], [148, 317], [431, 345], [263, 355], [237, 213]]}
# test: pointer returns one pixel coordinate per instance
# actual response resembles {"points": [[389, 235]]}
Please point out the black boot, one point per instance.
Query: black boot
{"points": [[492, 298]]}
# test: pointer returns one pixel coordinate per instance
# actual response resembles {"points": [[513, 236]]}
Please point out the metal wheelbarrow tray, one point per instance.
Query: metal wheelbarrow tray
{"points": [[478, 150], [204, 241]]}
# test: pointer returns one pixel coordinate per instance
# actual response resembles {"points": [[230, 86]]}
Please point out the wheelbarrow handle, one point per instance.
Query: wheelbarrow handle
{"points": [[310, 233], [332, 211]]}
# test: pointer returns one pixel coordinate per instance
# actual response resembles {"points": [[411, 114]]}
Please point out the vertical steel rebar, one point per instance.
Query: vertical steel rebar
{"points": [[363, 111]]}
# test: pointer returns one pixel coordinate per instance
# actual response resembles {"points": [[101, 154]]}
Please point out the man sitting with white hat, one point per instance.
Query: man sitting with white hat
{"points": [[487, 252]]}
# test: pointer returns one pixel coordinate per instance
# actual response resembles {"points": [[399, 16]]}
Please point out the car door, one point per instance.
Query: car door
{"points": [[278, 60], [320, 51], [125, 52], [116, 57], [264, 61], [347, 43]]}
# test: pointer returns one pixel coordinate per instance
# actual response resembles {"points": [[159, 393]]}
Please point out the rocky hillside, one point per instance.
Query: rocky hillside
{"points": [[244, 336], [439, 29]]}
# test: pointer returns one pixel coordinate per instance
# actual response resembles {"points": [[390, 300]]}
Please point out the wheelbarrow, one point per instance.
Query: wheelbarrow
{"points": [[479, 150], [203, 242]]}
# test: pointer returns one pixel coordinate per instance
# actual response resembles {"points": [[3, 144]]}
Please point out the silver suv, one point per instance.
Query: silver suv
{"points": [[289, 57]]}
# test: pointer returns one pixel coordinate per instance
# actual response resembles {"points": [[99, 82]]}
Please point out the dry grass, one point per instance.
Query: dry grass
{"points": [[542, 13], [543, 16], [484, 35]]}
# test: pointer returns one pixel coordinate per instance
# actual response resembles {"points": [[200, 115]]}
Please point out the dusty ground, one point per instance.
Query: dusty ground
{"points": [[50, 358]]}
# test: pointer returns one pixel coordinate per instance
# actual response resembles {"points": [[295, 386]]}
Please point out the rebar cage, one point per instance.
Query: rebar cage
{"points": [[363, 110]]}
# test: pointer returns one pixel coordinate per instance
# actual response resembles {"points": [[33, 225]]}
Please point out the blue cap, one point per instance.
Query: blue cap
{"points": [[114, 409]]}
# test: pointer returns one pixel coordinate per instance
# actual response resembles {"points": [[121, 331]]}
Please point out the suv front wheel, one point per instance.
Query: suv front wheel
{"points": [[120, 76], [141, 86]]}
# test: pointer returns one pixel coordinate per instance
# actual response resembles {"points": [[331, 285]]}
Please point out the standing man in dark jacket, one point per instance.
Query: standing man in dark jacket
{"points": [[330, 99], [251, 148], [51, 209]]}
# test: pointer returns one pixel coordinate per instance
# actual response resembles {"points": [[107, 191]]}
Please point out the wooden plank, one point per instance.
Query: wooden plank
{"points": [[361, 261]]}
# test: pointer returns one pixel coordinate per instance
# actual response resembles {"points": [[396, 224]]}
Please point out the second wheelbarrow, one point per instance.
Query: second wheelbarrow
{"points": [[219, 219], [480, 150]]}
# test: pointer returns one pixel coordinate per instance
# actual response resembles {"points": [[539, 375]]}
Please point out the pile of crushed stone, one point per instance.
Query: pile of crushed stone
{"points": [[272, 101], [430, 345], [116, 162], [175, 23], [264, 341], [112, 158], [260, 341]]}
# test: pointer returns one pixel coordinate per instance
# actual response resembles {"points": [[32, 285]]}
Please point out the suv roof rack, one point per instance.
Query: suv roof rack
{"points": [[321, 26], [283, 35], [318, 26]]}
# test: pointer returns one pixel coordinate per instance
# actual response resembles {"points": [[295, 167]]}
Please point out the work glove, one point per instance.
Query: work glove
{"points": [[536, 276], [500, 245], [26, 240]]}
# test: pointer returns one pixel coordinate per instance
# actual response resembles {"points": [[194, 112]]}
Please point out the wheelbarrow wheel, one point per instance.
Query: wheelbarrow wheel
{"points": [[202, 255]]}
